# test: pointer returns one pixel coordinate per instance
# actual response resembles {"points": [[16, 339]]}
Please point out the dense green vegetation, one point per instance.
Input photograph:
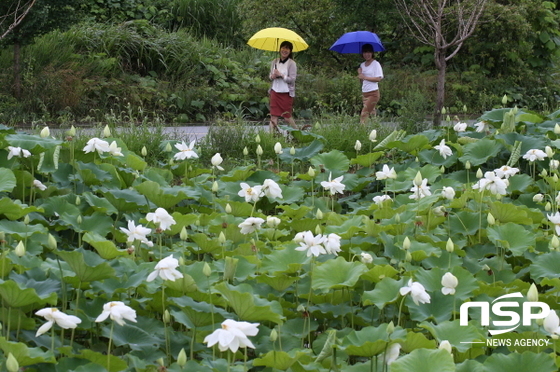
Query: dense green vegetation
{"points": [[186, 61]]}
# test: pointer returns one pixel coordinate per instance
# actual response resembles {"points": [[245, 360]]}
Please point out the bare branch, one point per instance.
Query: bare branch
{"points": [[15, 16]]}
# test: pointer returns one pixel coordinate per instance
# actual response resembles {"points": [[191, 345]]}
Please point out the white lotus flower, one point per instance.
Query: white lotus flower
{"points": [[38, 184], [250, 225], [443, 149], [271, 189], [482, 126], [358, 145], [332, 244], [137, 233], [505, 171], [53, 315], [217, 160], [554, 164], [460, 127], [534, 154], [379, 199], [366, 258], [162, 218], [17, 151], [278, 148], [449, 283], [185, 152], [492, 183], [334, 186], [551, 324], [272, 221], [555, 219], [373, 135], [232, 335], [417, 292], [311, 244], [166, 269], [118, 312], [114, 149], [250, 193], [448, 192], [392, 353], [96, 144], [385, 173], [420, 191]]}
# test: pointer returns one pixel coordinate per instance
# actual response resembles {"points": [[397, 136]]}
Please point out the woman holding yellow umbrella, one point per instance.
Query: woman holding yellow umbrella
{"points": [[283, 71]]}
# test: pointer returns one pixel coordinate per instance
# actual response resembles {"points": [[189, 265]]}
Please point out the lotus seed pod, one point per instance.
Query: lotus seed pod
{"points": [[292, 151], [106, 131], [258, 139], [206, 270], [406, 243], [449, 247], [479, 173], [144, 151], [259, 150], [182, 358], [20, 249], [245, 151], [184, 235], [319, 215], [228, 208], [45, 132], [533, 293], [311, 172], [491, 220], [11, 363]]}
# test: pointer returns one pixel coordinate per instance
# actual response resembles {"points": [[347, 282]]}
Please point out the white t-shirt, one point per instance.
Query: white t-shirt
{"points": [[373, 70]]}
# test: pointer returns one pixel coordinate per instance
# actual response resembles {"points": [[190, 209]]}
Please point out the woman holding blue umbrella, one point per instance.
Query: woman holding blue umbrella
{"points": [[370, 73]]}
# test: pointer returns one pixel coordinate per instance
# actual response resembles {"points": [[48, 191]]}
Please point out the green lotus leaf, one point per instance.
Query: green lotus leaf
{"points": [[258, 177], [411, 144], [520, 182], [332, 161], [92, 174], [519, 214], [302, 135], [165, 197], [275, 359], [182, 285], [529, 118], [424, 360], [279, 283], [367, 342], [480, 151], [337, 274], [416, 340], [433, 157], [378, 272], [14, 296], [5, 266], [87, 265], [385, 292], [460, 337], [516, 362], [440, 308], [496, 115], [367, 160], [32, 143], [287, 261], [106, 248], [249, 307], [26, 356], [7, 180], [115, 364], [511, 236], [97, 222], [133, 336], [125, 200], [470, 366], [466, 223], [429, 171], [546, 266], [195, 314], [206, 244], [291, 195], [20, 230], [135, 162], [99, 204], [527, 142], [14, 210]]}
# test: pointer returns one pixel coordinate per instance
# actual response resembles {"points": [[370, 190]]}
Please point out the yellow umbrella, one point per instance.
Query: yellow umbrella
{"points": [[271, 38]]}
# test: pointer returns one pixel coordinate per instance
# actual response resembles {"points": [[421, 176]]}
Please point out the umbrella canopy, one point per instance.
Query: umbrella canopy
{"points": [[271, 38], [352, 42]]}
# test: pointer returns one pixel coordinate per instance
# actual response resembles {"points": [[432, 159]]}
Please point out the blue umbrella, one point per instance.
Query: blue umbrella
{"points": [[352, 42]]}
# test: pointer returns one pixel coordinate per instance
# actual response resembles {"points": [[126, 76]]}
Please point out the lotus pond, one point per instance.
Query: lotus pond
{"points": [[297, 260]]}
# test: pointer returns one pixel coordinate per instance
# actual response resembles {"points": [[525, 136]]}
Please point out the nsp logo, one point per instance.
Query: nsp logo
{"points": [[514, 319]]}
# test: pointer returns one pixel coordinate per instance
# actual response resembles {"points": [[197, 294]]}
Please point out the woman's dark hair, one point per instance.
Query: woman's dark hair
{"points": [[288, 45], [367, 48]]}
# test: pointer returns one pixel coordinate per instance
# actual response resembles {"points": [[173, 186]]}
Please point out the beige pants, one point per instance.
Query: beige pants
{"points": [[370, 100]]}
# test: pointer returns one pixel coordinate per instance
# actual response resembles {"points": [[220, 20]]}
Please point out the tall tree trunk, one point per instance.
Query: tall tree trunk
{"points": [[441, 65], [17, 70]]}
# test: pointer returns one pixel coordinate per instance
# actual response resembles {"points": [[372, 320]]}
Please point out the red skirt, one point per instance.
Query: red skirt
{"points": [[281, 104]]}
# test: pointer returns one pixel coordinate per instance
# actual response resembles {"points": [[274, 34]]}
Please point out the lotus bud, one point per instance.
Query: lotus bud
{"points": [[171, 162], [26, 219], [398, 218], [258, 139], [537, 198], [20, 249], [197, 222], [533, 293], [556, 129], [79, 220], [45, 132], [416, 159], [358, 145], [448, 118], [548, 151], [544, 173], [206, 270], [554, 164], [408, 257], [144, 151], [72, 131], [445, 345], [486, 268], [273, 335], [168, 147], [12, 364], [181, 259], [504, 99], [215, 186], [182, 358], [292, 151], [464, 108], [228, 208], [491, 220], [555, 178], [106, 131], [183, 235], [318, 230], [2, 237], [373, 136], [547, 207], [439, 211], [442, 169], [443, 110], [166, 316], [259, 150], [479, 173], [230, 267], [245, 151], [514, 110], [301, 308], [418, 179], [366, 258], [555, 242], [467, 165], [222, 237], [406, 243], [311, 172], [449, 247], [51, 242], [78, 200], [319, 214], [161, 362], [390, 328], [278, 148]]}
